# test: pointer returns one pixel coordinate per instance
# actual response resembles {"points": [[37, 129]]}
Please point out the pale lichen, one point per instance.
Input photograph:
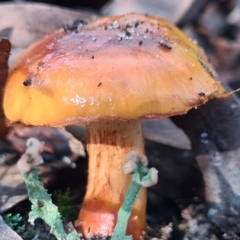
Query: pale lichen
{"points": [[136, 164], [42, 206]]}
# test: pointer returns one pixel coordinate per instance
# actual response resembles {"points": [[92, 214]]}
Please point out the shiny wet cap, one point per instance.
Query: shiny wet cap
{"points": [[125, 67]]}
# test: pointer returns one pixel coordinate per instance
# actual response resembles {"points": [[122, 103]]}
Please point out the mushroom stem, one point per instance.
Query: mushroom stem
{"points": [[108, 143]]}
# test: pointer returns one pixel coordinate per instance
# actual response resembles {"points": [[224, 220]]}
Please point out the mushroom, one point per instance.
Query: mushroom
{"points": [[110, 74]]}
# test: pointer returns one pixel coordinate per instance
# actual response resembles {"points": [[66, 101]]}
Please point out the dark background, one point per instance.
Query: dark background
{"points": [[95, 4]]}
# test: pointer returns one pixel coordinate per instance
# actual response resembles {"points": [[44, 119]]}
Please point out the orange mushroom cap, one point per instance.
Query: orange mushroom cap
{"points": [[125, 67]]}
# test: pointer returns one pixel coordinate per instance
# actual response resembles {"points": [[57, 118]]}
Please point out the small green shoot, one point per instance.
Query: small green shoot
{"points": [[65, 204], [15, 222], [141, 177]]}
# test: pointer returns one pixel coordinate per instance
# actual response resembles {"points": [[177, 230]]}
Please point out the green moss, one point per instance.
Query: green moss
{"points": [[15, 222], [65, 204]]}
